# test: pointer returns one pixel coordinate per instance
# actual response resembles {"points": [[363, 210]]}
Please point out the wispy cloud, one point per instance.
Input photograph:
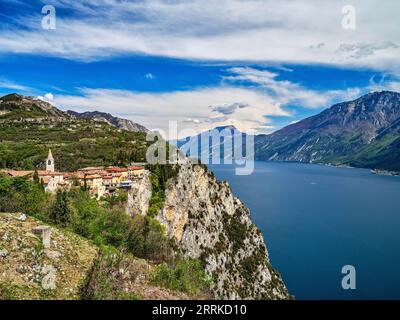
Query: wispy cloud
{"points": [[149, 76], [303, 31], [11, 85], [286, 92]]}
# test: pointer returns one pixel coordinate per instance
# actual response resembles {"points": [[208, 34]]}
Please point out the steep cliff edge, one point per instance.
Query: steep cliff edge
{"points": [[208, 222]]}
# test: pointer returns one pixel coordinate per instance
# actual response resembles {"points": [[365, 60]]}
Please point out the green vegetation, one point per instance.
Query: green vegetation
{"points": [[75, 144], [106, 282], [26, 135], [60, 213], [185, 275], [9, 291], [116, 199], [159, 175], [120, 238], [78, 212], [236, 231], [22, 195]]}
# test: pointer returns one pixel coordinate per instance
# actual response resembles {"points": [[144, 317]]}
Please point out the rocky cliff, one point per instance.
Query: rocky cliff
{"points": [[208, 222]]}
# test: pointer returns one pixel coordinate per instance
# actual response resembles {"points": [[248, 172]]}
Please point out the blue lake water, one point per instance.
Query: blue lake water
{"points": [[316, 219]]}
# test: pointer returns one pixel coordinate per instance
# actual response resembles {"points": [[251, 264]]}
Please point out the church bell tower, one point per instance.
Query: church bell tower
{"points": [[50, 162]]}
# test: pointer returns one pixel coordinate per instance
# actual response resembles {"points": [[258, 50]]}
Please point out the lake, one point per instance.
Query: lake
{"points": [[315, 219]]}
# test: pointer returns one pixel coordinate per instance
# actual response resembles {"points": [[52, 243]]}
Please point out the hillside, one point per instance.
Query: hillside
{"points": [[29, 127], [17, 107], [30, 271], [71, 268], [362, 133], [181, 220]]}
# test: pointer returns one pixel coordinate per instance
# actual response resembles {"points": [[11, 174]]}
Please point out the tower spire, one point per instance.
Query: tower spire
{"points": [[50, 162]]}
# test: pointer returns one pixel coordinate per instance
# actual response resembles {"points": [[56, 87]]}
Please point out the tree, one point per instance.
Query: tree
{"points": [[60, 213], [36, 177]]}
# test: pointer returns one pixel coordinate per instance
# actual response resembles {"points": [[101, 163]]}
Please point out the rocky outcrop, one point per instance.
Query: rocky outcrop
{"points": [[139, 196], [120, 123], [209, 223]]}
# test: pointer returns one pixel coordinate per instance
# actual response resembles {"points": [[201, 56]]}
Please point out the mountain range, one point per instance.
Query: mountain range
{"points": [[15, 107], [361, 133], [110, 119]]}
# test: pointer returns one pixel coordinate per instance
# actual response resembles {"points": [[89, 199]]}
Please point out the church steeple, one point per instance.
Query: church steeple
{"points": [[50, 162]]}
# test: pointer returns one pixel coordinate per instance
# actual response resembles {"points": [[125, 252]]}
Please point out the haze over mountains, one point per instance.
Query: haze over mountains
{"points": [[360, 133]]}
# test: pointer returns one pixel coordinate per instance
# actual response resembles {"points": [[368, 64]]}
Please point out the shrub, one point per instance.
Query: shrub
{"points": [[60, 212], [186, 276]]}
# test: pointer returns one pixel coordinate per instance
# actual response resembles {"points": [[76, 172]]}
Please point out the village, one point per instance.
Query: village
{"points": [[99, 181]]}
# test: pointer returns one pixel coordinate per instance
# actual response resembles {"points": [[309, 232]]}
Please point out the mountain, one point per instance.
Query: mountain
{"points": [[110, 119], [362, 133], [29, 127], [14, 107], [218, 139]]}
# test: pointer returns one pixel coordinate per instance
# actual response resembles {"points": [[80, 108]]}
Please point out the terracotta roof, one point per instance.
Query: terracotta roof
{"points": [[49, 173], [116, 169], [73, 175], [18, 173], [135, 168], [91, 168], [93, 176]]}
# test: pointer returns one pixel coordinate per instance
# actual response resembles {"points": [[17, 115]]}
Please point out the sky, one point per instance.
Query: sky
{"points": [[255, 64]]}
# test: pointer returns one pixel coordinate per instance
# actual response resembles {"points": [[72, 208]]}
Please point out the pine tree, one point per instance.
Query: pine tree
{"points": [[36, 177], [60, 212]]}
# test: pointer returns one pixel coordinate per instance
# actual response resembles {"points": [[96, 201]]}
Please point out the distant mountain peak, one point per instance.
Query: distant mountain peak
{"points": [[364, 132], [110, 119]]}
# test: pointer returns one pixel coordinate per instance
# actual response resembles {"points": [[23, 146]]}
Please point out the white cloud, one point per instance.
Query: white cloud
{"points": [[209, 107], [303, 31], [286, 92], [48, 97], [190, 108], [149, 76]]}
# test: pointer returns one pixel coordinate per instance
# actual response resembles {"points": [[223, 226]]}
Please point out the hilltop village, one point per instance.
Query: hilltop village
{"points": [[99, 181]]}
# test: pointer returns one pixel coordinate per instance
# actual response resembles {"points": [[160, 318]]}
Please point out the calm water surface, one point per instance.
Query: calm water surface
{"points": [[316, 219]]}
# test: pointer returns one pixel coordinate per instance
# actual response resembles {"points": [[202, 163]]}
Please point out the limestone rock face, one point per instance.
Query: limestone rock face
{"points": [[209, 223], [139, 196]]}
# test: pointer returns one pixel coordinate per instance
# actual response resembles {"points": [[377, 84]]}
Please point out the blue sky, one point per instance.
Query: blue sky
{"points": [[254, 64]]}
